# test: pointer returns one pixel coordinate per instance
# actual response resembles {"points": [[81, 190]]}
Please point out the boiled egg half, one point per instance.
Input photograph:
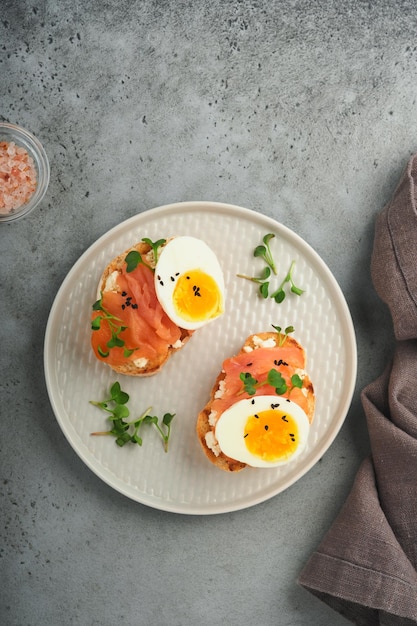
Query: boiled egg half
{"points": [[189, 282], [264, 431]]}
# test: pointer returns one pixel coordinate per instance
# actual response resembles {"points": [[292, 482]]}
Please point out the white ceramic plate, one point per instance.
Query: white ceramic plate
{"points": [[183, 480]]}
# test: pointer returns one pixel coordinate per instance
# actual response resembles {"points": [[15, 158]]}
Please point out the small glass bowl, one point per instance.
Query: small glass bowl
{"points": [[25, 139]]}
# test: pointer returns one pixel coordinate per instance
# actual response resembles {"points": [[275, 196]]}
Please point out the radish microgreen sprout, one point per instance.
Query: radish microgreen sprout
{"points": [[274, 379], [262, 281], [115, 326], [283, 336], [279, 294], [128, 431], [155, 245], [264, 251], [134, 258]]}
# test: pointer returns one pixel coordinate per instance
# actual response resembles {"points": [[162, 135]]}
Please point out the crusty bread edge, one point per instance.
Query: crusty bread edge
{"points": [[203, 426]]}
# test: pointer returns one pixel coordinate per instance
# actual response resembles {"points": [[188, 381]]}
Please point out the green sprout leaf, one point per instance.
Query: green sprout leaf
{"points": [[266, 273], [128, 431], [136, 439], [103, 353], [117, 395], [96, 323], [115, 341], [120, 411], [259, 251], [257, 279], [123, 438], [279, 294], [274, 379], [167, 419], [296, 381], [155, 245], [264, 252], [261, 280], [132, 260], [249, 383], [127, 352], [264, 289], [297, 290], [283, 335], [115, 325]]}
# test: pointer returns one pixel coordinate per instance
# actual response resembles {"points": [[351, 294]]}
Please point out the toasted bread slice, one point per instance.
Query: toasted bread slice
{"points": [[205, 427], [152, 365]]}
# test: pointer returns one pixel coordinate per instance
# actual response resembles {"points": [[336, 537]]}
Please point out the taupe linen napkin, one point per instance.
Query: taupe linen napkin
{"points": [[366, 566]]}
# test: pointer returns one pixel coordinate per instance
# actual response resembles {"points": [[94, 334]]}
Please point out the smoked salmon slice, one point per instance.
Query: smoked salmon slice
{"points": [[286, 360], [130, 331]]}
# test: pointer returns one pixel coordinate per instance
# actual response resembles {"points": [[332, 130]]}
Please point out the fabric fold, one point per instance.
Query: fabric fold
{"points": [[394, 257], [366, 566]]}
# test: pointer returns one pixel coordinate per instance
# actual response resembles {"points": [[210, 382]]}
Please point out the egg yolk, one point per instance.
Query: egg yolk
{"points": [[197, 297], [271, 435]]}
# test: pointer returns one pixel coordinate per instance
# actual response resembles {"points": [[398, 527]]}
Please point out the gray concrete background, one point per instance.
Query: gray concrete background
{"points": [[304, 111]]}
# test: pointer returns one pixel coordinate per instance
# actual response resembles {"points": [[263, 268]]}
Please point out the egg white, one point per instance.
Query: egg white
{"points": [[178, 256], [230, 428]]}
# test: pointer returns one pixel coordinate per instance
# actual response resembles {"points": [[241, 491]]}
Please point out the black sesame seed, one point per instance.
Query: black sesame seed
{"points": [[284, 418], [252, 401], [124, 293], [244, 436], [266, 426], [257, 416]]}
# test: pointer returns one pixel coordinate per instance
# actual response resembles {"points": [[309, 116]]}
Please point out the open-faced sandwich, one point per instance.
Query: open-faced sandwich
{"points": [[151, 298], [261, 405]]}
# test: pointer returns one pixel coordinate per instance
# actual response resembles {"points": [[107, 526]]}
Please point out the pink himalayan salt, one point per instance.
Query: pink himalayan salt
{"points": [[17, 177]]}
